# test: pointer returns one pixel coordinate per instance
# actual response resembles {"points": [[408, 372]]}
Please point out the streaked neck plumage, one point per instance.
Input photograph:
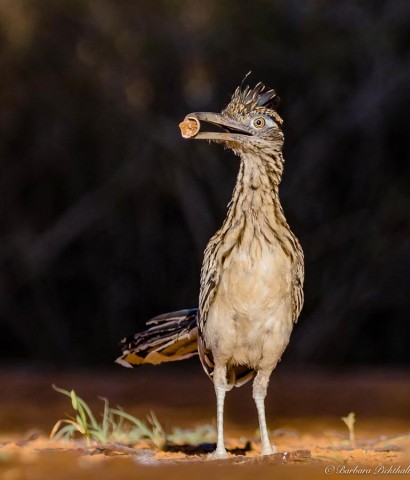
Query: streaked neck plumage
{"points": [[255, 208]]}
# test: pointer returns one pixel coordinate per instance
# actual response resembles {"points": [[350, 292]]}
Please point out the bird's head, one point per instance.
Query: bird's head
{"points": [[250, 122]]}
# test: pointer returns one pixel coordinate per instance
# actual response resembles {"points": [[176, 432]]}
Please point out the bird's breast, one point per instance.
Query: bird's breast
{"points": [[250, 319], [254, 278]]}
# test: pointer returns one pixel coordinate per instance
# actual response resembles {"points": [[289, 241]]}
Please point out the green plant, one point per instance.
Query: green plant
{"points": [[115, 425], [349, 421], [119, 426]]}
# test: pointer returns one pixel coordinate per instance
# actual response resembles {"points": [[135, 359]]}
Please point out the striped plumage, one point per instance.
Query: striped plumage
{"points": [[169, 337], [251, 290]]}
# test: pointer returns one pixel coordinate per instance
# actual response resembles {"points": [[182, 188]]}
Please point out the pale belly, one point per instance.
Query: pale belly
{"points": [[250, 320]]}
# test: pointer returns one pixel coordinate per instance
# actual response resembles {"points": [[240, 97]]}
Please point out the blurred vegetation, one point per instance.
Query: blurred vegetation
{"points": [[116, 425], [105, 210]]}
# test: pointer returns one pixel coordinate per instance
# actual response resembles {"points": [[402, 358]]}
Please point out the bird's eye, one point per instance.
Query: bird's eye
{"points": [[259, 122]]}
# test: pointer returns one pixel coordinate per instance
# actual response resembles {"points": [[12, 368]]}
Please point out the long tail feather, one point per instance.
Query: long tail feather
{"points": [[170, 337]]}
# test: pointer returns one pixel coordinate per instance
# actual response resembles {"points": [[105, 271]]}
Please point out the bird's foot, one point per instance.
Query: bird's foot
{"points": [[269, 449], [220, 452]]}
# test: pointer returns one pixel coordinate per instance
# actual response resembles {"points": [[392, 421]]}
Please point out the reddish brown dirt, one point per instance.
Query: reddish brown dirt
{"points": [[304, 410]]}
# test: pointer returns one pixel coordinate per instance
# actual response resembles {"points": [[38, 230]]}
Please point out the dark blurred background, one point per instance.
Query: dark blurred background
{"points": [[105, 210]]}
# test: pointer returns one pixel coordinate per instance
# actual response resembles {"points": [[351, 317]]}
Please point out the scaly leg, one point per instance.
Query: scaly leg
{"points": [[260, 387], [221, 387]]}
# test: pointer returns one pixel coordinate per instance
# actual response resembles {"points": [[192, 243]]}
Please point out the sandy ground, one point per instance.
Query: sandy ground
{"points": [[303, 408]]}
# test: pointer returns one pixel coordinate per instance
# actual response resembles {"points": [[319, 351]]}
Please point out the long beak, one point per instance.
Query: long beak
{"points": [[190, 127]]}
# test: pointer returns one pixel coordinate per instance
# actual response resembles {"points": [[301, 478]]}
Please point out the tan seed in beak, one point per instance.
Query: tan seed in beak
{"points": [[189, 127]]}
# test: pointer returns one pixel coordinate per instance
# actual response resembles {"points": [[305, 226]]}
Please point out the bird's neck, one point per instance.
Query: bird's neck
{"points": [[255, 212], [256, 193]]}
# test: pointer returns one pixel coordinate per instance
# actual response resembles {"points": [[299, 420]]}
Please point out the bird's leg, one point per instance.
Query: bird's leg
{"points": [[260, 387], [221, 387]]}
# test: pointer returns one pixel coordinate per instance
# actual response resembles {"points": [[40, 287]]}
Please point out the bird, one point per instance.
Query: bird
{"points": [[252, 275]]}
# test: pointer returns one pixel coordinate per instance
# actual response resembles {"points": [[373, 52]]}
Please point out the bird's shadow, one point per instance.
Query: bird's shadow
{"points": [[204, 448]]}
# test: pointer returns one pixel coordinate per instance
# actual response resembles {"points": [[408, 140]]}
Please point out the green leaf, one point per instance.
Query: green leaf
{"points": [[74, 399], [61, 390]]}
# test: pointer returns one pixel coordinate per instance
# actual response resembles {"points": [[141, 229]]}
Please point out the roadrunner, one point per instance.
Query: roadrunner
{"points": [[251, 289]]}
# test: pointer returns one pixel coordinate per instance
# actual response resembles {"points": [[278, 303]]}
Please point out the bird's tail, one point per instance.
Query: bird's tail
{"points": [[169, 337]]}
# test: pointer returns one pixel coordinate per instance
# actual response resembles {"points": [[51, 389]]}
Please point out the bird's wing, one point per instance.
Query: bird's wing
{"points": [[298, 278], [170, 337], [210, 276]]}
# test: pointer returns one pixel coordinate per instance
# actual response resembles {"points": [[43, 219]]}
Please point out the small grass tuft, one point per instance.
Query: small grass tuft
{"points": [[119, 426], [349, 421]]}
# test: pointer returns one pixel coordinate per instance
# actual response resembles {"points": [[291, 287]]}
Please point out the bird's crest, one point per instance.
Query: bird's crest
{"points": [[245, 100]]}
